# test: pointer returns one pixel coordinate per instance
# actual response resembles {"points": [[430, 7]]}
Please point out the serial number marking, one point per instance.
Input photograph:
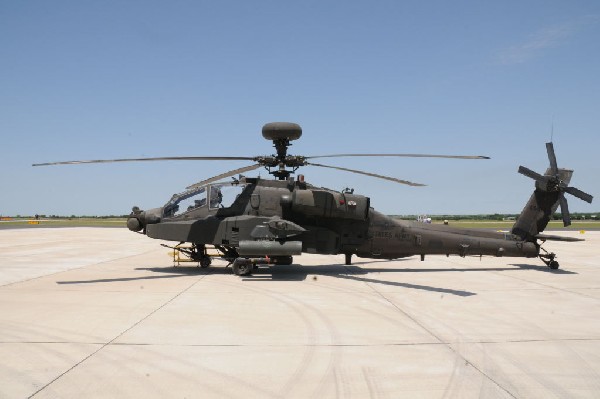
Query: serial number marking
{"points": [[388, 235]]}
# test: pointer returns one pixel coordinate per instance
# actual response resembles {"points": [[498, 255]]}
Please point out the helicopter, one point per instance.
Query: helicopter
{"points": [[253, 221]]}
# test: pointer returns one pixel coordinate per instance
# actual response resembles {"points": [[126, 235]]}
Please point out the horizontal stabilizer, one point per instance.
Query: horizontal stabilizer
{"points": [[547, 237]]}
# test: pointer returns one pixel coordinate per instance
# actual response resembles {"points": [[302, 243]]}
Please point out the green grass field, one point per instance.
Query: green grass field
{"points": [[506, 225], [66, 222]]}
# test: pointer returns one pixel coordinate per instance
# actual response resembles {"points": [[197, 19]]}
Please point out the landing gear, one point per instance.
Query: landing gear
{"points": [[200, 255], [242, 267], [183, 252], [348, 259], [205, 262], [245, 266], [548, 259]]}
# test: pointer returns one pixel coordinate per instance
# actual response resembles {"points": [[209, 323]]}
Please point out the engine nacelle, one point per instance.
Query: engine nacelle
{"points": [[328, 204]]}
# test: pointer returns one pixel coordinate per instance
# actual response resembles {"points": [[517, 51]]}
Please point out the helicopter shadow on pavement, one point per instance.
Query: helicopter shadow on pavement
{"points": [[353, 273], [166, 272], [360, 274], [119, 279], [543, 268], [297, 272]]}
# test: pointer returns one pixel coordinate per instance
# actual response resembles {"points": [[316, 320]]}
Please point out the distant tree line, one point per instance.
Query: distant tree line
{"points": [[498, 216], [66, 217], [494, 216]]}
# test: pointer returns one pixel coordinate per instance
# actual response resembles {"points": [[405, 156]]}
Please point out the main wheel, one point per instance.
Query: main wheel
{"points": [[205, 262], [348, 259], [242, 267], [553, 265]]}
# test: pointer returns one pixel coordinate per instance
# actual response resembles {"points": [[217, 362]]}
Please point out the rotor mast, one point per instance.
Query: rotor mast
{"points": [[281, 133]]}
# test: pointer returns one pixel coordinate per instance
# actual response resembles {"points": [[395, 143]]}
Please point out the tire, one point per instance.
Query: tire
{"points": [[242, 267], [205, 262]]}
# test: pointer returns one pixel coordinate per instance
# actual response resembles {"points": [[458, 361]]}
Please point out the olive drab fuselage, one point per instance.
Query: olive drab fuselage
{"points": [[275, 217]]}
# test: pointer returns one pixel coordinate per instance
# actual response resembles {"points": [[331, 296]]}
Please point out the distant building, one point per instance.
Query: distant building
{"points": [[424, 219]]}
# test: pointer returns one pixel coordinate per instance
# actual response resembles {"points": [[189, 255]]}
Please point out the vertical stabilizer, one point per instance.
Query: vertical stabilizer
{"points": [[549, 193], [539, 209]]}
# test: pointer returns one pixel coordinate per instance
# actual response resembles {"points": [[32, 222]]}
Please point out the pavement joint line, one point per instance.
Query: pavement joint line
{"points": [[547, 286], [47, 243], [119, 335], [365, 345], [448, 345], [105, 291], [491, 342], [75, 268]]}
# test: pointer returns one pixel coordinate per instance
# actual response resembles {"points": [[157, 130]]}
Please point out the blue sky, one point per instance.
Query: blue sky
{"points": [[112, 79]]}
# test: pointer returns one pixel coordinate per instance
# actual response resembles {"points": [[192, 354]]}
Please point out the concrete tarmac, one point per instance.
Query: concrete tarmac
{"points": [[102, 313]]}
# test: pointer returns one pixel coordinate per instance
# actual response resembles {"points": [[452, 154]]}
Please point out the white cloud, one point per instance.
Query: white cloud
{"points": [[543, 39]]}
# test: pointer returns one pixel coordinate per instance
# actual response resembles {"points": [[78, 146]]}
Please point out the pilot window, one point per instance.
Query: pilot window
{"points": [[188, 203], [214, 196], [224, 195]]}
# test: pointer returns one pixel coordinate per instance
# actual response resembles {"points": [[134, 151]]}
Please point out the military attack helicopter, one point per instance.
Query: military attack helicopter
{"points": [[253, 221]]}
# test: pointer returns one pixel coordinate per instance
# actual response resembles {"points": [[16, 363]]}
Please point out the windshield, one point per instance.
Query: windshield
{"points": [[223, 195], [219, 195]]}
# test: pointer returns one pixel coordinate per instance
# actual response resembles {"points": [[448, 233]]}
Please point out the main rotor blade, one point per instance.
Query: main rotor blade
{"points": [[224, 175], [401, 155], [552, 158], [530, 173], [148, 159], [579, 194], [564, 209], [368, 174]]}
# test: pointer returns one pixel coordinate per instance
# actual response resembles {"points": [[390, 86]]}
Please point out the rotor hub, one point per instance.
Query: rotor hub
{"points": [[281, 133]]}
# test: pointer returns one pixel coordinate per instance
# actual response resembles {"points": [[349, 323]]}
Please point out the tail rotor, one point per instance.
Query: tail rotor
{"points": [[552, 182]]}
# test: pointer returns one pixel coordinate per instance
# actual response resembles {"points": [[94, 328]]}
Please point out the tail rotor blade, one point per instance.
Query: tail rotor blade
{"points": [[530, 173], [564, 209], [552, 158], [579, 194]]}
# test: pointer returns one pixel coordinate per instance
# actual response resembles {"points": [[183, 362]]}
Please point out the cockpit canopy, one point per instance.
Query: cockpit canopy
{"points": [[213, 196]]}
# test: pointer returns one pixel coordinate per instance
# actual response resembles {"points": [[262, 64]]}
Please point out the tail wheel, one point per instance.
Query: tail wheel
{"points": [[548, 259]]}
